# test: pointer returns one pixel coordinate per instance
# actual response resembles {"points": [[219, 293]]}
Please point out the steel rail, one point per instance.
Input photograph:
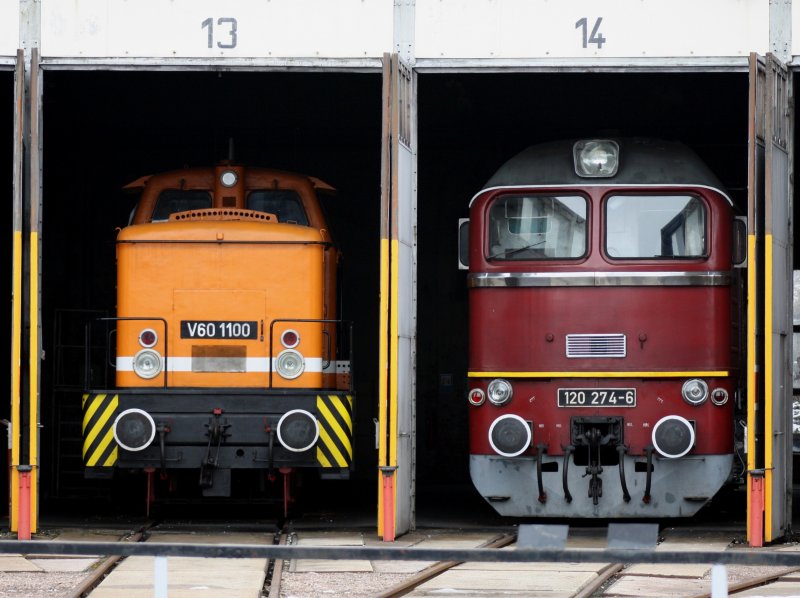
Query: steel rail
{"points": [[437, 569], [275, 573], [106, 566], [595, 584]]}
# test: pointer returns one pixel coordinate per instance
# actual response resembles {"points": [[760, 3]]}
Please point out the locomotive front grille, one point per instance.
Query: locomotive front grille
{"points": [[596, 345]]}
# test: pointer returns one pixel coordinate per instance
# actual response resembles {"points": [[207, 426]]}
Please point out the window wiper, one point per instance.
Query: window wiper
{"points": [[509, 252]]}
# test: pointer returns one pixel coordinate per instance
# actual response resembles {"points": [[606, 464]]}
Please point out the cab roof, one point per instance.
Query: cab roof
{"points": [[641, 162]]}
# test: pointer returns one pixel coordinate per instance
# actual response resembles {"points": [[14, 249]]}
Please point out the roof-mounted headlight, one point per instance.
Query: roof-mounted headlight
{"points": [[228, 178], [596, 157]]}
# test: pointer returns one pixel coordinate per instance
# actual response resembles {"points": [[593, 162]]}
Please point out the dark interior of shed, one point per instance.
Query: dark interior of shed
{"points": [[106, 129]]}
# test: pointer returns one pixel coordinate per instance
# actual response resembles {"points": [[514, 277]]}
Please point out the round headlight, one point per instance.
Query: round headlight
{"points": [[673, 436], [147, 363], [510, 435], [499, 392], [695, 392], [298, 430], [228, 178], [476, 397], [290, 364], [134, 430], [148, 337]]}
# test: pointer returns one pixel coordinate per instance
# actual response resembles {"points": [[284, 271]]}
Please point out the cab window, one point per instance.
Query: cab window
{"points": [[655, 227], [537, 227], [285, 204], [172, 201]]}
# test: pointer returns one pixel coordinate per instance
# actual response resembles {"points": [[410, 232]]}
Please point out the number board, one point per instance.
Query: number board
{"points": [[518, 29], [213, 29], [9, 27]]}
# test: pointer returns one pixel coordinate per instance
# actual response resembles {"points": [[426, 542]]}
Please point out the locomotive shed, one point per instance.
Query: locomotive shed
{"points": [[407, 121]]}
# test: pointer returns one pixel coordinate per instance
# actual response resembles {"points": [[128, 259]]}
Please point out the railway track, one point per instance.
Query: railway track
{"points": [[310, 578], [184, 533], [105, 566]]}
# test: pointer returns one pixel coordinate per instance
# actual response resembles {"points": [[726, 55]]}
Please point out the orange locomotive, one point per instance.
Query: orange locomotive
{"points": [[226, 332]]}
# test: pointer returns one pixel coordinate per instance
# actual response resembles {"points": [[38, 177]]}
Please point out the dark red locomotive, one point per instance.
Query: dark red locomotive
{"points": [[604, 354]]}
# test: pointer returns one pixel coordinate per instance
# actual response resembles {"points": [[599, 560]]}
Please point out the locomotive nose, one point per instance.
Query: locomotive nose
{"points": [[134, 430], [298, 430], [510, 435], [673, 436]]}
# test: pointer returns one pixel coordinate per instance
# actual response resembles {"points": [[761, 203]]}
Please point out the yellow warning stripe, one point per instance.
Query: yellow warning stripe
{"points": [[331, 421], [107, 439], [326, 439], [101, 423], [337, 402], [680, 374]]}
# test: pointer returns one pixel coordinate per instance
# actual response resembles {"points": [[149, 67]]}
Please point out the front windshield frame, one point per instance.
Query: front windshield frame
{"points": [[659, 239], [538, 226]]}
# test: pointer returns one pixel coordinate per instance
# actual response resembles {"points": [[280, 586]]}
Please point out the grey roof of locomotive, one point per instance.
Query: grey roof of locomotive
{"points": [[641, 162]]}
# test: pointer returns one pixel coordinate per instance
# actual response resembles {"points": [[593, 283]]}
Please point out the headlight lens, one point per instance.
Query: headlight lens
{"points": [[290, 364], [134, 430], [147, 364], [510, 435], [596, 158], [695, 392], [229, 178], [499, 392], [673, 436], [298, 430]]}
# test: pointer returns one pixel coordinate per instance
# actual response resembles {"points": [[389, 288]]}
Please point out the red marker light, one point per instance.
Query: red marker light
{"points": [[290, 339], [148, 337]]}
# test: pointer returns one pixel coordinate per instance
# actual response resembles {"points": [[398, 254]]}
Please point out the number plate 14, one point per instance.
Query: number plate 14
{"points": [[597, 397]]}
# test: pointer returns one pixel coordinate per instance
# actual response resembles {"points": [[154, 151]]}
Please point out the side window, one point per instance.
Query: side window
{"points": [[537, 227], [655, 226], [172, 201], [285, 204]]}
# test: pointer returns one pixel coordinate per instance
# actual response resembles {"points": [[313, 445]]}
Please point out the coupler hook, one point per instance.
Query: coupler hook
{"points": [[542, 494], [163, 430], [594, 468], [646, 498], [625, 494], [565, 472], [216, 434]]}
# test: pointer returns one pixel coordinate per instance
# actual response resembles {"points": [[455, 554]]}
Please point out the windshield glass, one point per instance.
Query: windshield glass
{"points": [[655, 226], [537, 227], [172, 201], [286, 205]]}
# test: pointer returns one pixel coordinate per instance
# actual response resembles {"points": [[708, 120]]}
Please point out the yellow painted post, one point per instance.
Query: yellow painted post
{"points": [[16, 289]]}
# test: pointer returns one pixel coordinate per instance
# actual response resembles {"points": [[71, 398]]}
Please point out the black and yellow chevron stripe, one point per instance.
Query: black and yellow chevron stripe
{"points": [[335, 445], [99, 446]]}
